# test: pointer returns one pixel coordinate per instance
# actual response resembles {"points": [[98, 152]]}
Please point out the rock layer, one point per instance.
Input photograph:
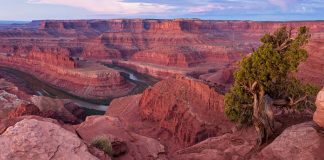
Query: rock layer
{"points": [[190, 110], [89, 81], [167, 44]]}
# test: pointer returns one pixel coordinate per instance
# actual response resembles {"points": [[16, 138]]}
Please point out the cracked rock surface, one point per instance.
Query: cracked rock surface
{"points": [[34, 139]]}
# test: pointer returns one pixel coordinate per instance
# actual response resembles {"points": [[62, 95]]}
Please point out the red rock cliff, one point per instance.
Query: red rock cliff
{"points": [[86, 80], [187, 108], [181, 43]]}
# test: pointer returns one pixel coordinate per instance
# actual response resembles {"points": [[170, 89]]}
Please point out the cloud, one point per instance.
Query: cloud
{"points": [[110, 6], [226, 5], [283, 4], [205, 8]]}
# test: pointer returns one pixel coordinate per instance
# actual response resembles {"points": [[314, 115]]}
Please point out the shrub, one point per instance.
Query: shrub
{"points": [[265, 79], [103, 144]]}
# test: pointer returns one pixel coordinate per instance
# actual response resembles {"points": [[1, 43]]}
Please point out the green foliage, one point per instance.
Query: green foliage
{"points": [[237, 105], [271, 66], [103, 144]]}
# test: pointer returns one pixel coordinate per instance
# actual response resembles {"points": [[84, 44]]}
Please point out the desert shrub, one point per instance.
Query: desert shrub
{"points": [[103, 144]]}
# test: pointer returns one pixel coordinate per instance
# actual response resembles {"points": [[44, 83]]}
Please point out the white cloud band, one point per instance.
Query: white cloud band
{"points": [[110, 6]]}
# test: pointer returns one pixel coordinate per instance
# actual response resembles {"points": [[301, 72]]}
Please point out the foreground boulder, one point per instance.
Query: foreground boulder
{"points": [[298, 142], [229, 146], [34, 139], [319, 113], [189, 109]]}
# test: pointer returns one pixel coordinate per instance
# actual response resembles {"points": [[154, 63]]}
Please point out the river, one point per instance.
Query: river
{"points": [[34, 86], [142, 81]]}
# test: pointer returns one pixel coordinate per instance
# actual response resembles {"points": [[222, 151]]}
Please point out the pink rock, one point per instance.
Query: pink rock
{"points": [[319, 113], [23, 110], [300, 141], [235, 145], [34, 139], [8, 102]]}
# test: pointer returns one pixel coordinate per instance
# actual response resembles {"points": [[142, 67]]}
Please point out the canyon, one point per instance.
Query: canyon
{"points": [[92, 81], [160, 48], [153, 88]]}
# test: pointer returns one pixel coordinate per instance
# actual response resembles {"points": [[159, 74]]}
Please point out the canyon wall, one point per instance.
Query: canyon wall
{"points": [[90, 81], [164, 46], [176, 25]]}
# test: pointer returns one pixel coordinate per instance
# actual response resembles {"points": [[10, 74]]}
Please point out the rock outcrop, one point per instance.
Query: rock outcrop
{"points": [[189, 109], [138, 147], [8, 102], [300, 141], [58, 109], [23, 110], [236, 145], [127, 110], [76, 110], [10, 97], [223, 78], [15, 104], [150, 69], [34, 139], [174, 56], [319, 113]]}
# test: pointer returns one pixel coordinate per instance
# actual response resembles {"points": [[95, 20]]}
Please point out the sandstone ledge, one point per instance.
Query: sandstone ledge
{"points": [[34, 139]]}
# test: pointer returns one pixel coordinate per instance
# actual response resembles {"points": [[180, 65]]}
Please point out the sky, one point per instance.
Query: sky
{"points": [[260, 10]]}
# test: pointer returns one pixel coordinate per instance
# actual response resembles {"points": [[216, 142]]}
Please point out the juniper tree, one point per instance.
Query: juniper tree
{"points": [[265, 79]]}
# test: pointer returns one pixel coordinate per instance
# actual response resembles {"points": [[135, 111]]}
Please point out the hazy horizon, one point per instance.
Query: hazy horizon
{"points": [[29, 21], [256, 10]]}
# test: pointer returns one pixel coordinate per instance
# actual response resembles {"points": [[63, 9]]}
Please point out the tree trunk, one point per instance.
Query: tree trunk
{"points": [[263, 119]]}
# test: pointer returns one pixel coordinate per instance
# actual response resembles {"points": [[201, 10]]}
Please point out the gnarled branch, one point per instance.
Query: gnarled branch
{"points": [[290, 102]]}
